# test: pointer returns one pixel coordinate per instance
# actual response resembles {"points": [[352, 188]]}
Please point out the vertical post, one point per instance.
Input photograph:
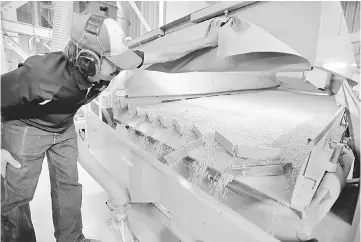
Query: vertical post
{"points": [[14, 60], [36, 13], [4, 62], [161, 13]]}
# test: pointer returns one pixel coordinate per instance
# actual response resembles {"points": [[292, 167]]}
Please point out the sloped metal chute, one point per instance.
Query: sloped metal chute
{"points": [[242, 47]]}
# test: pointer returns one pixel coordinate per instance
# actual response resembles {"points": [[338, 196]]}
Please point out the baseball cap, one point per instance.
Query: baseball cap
{"points": [[110, 42]]}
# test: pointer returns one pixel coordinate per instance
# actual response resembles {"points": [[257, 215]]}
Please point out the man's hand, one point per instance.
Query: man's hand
{"points": [[212, 34], [6, 158]]}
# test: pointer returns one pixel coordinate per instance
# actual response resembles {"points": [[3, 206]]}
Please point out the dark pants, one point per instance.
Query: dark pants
{"points": [[28, 145]]}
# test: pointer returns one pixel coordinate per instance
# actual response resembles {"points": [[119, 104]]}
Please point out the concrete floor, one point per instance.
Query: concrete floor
{"points": [[94, 210]]}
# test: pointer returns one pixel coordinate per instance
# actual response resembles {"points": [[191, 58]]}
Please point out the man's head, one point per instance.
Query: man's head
{"points": [[101, 48]]}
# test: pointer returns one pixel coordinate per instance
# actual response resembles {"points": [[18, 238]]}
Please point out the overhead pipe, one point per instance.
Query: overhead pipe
{"points": [[63, 18]]}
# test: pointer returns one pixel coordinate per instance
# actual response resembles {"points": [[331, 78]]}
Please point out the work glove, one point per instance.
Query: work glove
{"points": [[6, 158], [212, 32]]}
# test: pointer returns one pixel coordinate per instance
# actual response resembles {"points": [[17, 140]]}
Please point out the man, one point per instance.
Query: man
{"points": [[38, 103]]}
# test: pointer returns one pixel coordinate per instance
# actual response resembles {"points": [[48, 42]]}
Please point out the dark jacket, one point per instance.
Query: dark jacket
{"points": [[46, 92]]}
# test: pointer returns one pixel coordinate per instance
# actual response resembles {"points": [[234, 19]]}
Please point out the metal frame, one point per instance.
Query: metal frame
{"points": [[197, 217], [196, 17], [11, 44], [11, 4], [184, 22], [323, 158], [218, 9], [26, 29]]}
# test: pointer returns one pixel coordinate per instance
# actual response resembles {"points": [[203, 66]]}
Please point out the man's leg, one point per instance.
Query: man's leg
{"points": [[27, 145], [66, 191]]}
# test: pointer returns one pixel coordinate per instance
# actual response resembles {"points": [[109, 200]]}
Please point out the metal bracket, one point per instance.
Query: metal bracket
{"points": [[183, 152], [153, 118], [332, 164], [226, 13], [178, 126], [140, 113], [165, 121], [225, 143], [218, 9]]}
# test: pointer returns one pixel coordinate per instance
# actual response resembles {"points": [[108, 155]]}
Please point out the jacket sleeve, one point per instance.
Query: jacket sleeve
{"points": [[19, 87]]}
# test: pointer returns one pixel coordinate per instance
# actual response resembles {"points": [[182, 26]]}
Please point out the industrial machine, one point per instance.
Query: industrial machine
{"points": [[230, 143]]}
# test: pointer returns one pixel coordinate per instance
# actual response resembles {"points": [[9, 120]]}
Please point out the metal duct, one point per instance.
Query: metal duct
{"points": [[117, 192], [63, 17], [119, 197]]}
